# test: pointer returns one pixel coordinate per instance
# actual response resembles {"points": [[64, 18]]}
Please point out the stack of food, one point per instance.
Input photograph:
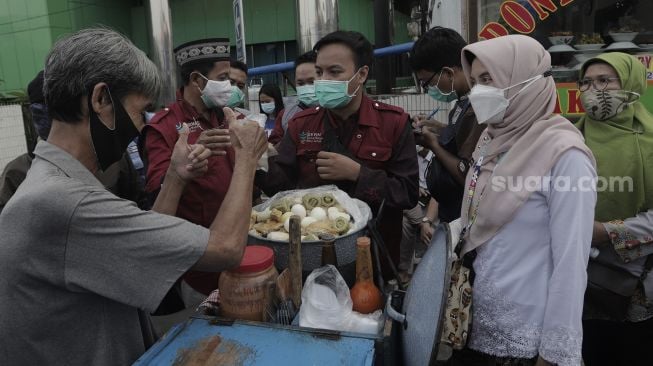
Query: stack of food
{"points": [[320, 213]]}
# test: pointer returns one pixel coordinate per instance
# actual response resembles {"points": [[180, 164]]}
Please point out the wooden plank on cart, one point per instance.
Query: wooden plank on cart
{"points": [[295, 260]]}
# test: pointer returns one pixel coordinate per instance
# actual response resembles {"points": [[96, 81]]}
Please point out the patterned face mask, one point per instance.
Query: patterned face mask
{"points": [[601, 105]]}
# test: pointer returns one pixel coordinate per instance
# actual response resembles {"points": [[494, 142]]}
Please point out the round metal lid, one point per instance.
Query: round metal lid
{"points": [[425, 301]]}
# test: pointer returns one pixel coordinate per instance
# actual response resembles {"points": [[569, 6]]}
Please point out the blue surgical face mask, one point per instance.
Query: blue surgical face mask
{"points": [[236, 98], [332, 94], [268, 108], [306, 95], [437, 94]]}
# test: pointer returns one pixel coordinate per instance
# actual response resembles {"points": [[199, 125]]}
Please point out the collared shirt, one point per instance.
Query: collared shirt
{"points": [[382, 141], [77, 263], [203, 196], [379, 137]]}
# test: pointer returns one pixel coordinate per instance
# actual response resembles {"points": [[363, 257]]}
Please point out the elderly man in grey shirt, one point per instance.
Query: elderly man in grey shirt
{"points": [[79, 267]]}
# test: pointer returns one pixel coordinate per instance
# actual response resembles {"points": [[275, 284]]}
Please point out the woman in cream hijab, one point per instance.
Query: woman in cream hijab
{"points": [[528, 211]]}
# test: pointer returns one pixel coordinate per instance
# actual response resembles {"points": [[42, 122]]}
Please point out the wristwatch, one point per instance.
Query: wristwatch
{"points": [[462, 166], [427, 220]]}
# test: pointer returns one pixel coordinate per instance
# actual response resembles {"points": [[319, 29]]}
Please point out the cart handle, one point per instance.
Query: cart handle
{"points": [[394, 314]]}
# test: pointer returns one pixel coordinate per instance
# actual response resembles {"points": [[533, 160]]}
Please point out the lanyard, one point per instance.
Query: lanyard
{"points": [[471, 190]]}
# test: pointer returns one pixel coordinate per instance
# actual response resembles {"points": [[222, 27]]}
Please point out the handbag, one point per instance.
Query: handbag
{"points": [[458, 310]]}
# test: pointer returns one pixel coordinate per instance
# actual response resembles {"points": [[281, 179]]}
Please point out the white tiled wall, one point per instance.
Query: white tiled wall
{"points": [[12, 134]]}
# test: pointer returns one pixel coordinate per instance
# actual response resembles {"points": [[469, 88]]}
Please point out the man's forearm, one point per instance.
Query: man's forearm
{"points": [[432, 210], [168, 199], [229, 228]]}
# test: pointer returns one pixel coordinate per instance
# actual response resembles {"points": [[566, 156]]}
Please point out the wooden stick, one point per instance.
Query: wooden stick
{"points": [[295, 260]]}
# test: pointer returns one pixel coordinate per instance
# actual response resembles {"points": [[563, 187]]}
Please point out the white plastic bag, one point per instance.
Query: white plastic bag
{"points": [[325, 300], [260, 119], [326, 304], [359, 211]]}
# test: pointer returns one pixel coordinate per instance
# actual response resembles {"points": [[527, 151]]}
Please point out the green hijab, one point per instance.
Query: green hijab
{"points": [[623, 145]]}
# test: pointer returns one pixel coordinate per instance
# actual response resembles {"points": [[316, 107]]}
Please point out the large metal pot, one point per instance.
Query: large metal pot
{"points": [[312, 250]]}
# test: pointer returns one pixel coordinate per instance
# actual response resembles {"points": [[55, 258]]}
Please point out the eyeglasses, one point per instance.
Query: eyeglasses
{"points": [[600, 83], [425, 84]]}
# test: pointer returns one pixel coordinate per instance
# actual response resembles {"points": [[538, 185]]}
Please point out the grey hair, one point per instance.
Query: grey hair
{"points": [[87, 57]]}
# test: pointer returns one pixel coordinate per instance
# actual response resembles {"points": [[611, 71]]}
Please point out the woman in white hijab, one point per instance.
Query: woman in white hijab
{"points": [[528, 211]]}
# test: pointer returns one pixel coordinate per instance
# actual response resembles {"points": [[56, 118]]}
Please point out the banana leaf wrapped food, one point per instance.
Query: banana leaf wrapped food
{"points": [[341, 224], [311, 200], [327, 200]]}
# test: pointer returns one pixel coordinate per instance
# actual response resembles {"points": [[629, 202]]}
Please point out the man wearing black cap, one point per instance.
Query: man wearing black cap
{"points": [[204, 67]]}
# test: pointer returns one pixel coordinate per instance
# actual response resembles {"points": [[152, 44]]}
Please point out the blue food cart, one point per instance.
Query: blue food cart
{"points": [[410, 335]]}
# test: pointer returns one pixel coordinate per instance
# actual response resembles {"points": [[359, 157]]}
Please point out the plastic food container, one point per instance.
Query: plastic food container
{"points": [[243, 291]]}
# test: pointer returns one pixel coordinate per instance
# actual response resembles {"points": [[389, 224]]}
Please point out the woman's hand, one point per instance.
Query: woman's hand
{"points": [[599, 235]]}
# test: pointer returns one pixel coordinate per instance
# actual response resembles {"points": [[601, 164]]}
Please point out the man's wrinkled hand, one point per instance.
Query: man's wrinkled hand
{"points": [[247, 137], [334, 166], [215, 139], [188, 161]]}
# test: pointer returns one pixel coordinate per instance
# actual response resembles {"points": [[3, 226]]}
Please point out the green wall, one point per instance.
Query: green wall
{"points": [[28, 28], [25, 38]]}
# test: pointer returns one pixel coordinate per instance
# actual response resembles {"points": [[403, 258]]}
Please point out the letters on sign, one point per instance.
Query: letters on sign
{"points": [[519, 18]]}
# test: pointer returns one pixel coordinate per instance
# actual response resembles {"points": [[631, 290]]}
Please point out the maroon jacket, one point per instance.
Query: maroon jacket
{"points": [[203, 196], [380, 139]]}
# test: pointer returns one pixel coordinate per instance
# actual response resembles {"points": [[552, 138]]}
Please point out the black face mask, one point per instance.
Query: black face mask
{"points": [[109, 144]]}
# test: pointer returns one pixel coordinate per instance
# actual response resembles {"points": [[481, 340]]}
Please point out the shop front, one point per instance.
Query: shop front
{"points": [[573, 31]]}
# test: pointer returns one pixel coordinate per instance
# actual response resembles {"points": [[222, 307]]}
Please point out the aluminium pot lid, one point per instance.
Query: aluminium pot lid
{"points": [[425, 301]]}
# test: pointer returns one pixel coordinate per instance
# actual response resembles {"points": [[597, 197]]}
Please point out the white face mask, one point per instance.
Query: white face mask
{"points": [[267, 108], [490, 103], [216, 94]]}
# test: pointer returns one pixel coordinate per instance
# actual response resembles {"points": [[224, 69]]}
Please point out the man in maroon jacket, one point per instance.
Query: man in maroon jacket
{"points": [[204, 66], [364, 147]]}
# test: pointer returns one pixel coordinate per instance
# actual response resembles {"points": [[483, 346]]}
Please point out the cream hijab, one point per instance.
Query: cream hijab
{"points": [[531, 136]]}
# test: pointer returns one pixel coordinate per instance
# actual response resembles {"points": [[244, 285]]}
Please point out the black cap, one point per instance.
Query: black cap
{"points": [[211, 49]]}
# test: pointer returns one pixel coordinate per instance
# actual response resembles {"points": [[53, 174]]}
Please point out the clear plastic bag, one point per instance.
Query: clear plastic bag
{"points": [[325, 300], [326, 304]]}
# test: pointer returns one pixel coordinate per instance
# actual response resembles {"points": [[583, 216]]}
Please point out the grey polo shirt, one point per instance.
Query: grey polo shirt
{"points": [[80, 267]]}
